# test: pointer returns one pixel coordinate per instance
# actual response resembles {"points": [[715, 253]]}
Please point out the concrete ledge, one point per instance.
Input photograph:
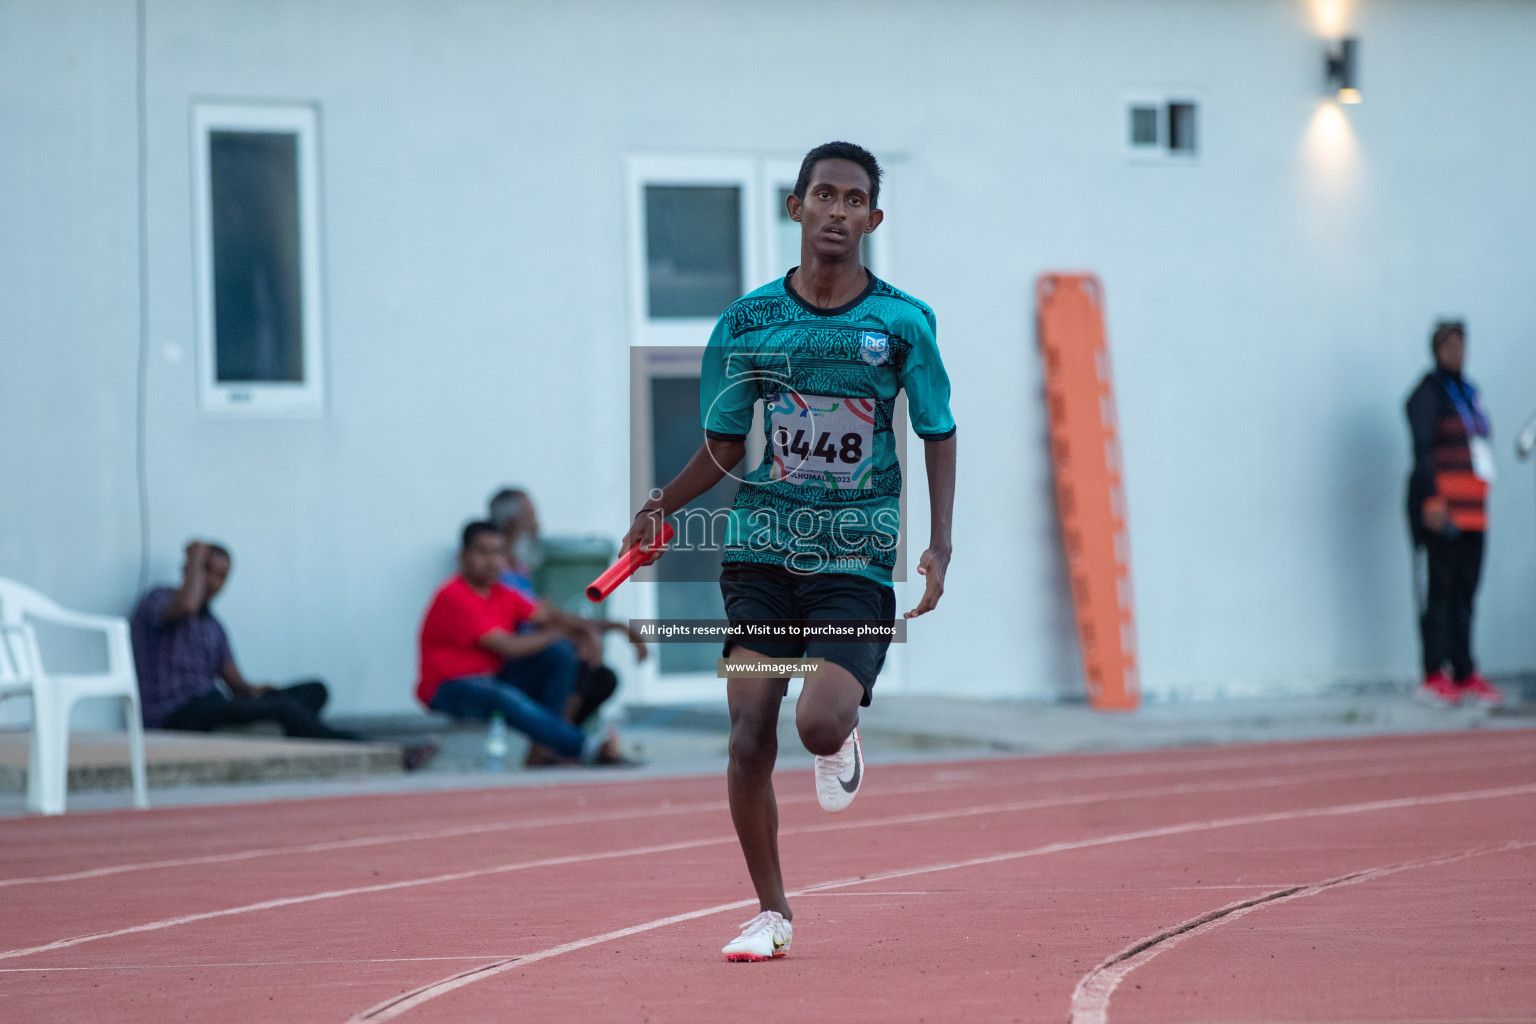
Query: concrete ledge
{"points": [[922, 725], [99, 760]]}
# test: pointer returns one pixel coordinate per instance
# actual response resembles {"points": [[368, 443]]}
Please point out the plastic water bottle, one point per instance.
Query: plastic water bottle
{"points": [[496, 743]]}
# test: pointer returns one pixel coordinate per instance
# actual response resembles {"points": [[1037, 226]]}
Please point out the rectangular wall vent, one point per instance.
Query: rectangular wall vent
{"points": [[1161, 128]]}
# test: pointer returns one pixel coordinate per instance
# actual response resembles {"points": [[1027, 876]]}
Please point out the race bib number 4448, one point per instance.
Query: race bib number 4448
{"points": [[821, 439]]}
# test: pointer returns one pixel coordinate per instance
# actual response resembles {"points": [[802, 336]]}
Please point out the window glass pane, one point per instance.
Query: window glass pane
{"points": [[257, 294], [692, 249], [786, 234], [1181, 127], [787, 238], [675, 436], [1143, 126]]}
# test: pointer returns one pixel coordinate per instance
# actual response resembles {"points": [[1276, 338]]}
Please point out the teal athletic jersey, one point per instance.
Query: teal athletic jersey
{"points": [[826, 497]]}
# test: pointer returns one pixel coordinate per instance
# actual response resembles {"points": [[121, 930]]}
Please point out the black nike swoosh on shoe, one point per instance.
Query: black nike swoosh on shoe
{"points": [[858, 769]]}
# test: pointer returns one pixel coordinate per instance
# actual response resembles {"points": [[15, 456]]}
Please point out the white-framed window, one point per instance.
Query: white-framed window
{"points": [[1162, 127], [704, 231], [694, 246], [256, 240]]}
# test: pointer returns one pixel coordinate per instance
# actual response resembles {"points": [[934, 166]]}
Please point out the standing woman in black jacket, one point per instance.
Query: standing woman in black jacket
{"points": [[1448, 516]]}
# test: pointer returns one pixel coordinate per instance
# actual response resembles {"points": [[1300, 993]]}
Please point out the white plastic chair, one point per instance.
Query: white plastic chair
{"points": [[53, 696]]}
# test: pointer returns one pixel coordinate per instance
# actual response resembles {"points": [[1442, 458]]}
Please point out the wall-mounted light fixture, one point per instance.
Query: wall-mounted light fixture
{"points": [[1342, 68]]}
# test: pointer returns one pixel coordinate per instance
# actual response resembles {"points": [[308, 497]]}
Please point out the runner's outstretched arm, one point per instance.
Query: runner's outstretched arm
{"points": [[940, 458], [707, 467]]}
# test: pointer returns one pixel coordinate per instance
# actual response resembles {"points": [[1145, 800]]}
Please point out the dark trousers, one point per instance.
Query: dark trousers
{"points": [[296, 708], [594, 685], [557, 669], [1453, 566], [531, 694]]}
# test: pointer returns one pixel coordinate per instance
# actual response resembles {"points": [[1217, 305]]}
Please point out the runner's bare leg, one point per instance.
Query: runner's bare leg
{"points": [[828, 710], [754, 706]]}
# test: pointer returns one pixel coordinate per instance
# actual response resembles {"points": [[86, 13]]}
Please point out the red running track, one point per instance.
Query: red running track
{"points": [[1383, 880]]}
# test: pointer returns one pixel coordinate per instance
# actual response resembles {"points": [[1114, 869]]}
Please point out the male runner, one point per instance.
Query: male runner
{"points": [[826, 350]]}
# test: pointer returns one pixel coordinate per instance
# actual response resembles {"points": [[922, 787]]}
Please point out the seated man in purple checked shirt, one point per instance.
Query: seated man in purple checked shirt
{"points": [[181, 653]]}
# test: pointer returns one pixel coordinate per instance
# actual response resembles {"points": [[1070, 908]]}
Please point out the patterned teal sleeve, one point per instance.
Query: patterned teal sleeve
{"points": [[725, 401], [927, 384]]}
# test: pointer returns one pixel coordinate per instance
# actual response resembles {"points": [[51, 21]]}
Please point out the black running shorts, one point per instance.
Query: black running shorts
{"points": [[772, 593]]}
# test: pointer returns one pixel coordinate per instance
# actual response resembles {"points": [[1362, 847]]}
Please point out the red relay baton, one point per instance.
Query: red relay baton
{"points": [[625, 567]]}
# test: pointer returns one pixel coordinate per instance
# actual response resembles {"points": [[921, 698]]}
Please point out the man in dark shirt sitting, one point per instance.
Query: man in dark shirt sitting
{"points": [[182, 652]]}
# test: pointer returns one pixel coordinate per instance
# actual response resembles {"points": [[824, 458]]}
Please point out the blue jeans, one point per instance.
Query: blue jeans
{"points": [[534, 704]]}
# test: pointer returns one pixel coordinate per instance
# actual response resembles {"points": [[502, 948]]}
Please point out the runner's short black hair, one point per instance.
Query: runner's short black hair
{"points": [[841, 151], [475, 529], [1442, 334]]}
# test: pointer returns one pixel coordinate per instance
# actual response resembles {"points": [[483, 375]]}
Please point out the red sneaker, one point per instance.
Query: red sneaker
{"points": [[1477, 690], [1438, 689]]}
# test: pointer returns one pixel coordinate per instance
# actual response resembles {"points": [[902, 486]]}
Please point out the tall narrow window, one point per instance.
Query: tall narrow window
{"points": [[258, 294], [258, 259]]}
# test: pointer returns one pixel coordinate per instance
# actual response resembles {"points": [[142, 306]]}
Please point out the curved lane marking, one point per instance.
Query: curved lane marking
{"points": [[691, 844], [403, 1003], [1090, 999]]}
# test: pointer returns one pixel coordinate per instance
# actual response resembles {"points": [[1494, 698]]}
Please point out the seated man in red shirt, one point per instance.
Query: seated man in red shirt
{"points": [[471, 631]]}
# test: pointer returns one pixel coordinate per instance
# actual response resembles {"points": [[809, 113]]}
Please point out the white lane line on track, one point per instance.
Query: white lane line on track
{"points": [[407, 1001], [912, 892], [453, 832], [498, 957], [1160, 766], [394, 1007], [599, 817], [1185, 789], [1090, 999], [691, 844]]}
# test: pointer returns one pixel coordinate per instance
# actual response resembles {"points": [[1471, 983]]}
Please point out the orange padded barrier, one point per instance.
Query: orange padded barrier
{"points": [[1090, 497]]}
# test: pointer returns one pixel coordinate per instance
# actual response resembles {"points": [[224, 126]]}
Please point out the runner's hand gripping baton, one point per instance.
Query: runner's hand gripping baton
{"points": [[625, 567]]}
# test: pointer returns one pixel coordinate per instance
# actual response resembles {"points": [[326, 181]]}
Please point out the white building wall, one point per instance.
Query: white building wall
{"points": [[69, 319], [1268, 306]]}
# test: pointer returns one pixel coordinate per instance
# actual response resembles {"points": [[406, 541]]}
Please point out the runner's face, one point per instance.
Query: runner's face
{"points": [[835, 213]]}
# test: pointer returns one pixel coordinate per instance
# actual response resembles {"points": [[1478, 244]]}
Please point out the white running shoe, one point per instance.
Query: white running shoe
{"points": [[764, 937], [838, 776]]}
